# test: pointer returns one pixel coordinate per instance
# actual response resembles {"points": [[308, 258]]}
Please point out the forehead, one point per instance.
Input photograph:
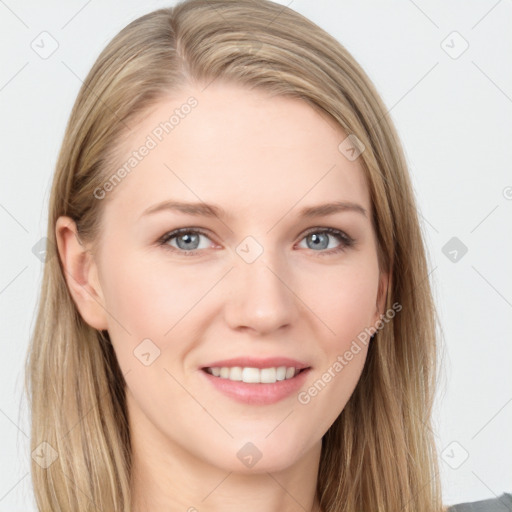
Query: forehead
{"points": [[239, 148]]}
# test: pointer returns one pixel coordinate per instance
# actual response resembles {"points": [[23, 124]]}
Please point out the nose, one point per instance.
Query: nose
{"points": [[260, 296]]}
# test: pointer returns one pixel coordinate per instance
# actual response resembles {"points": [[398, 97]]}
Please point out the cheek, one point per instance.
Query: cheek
{"points": [[148, 297], [154, 298], [344, 300]]}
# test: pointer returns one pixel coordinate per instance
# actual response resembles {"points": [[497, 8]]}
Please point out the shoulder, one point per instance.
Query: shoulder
{"points": [[502, 503]]}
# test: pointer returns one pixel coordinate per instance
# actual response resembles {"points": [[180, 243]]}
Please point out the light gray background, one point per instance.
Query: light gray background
{"points": [[453, 113]]}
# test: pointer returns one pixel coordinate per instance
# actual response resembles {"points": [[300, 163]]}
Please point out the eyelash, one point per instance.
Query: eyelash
{"points": [[346, 241]]}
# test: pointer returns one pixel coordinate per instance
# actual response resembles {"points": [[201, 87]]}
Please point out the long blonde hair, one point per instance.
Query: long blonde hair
{"points": [[379, 455]]}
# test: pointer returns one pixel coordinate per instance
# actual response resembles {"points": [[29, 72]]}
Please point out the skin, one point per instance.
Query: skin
{"points": [[277, 155]]}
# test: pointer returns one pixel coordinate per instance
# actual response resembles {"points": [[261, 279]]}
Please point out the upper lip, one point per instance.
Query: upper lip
{"points": [[250, 362]]}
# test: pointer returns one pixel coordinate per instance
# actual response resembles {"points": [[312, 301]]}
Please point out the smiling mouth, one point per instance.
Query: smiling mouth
{"points": [[255, 375]]}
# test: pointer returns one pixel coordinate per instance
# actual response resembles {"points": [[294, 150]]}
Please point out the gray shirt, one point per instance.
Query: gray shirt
{"points": [[502, 503]]}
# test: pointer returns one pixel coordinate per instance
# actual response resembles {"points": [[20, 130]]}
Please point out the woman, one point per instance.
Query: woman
{"points": [[239, 315]]}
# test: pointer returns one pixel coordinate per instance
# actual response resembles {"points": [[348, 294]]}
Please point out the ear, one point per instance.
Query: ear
{"points": [[380, 303], [81, 274]]}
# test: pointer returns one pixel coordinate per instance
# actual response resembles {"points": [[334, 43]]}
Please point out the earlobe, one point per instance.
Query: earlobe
{"points": [[80, 272]]}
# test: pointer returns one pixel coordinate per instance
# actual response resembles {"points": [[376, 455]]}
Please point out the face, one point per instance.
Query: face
{"points": [[259, 280]]}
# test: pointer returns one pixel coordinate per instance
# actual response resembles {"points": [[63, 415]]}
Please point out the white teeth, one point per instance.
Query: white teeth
{"points": [[281, 373], [254, 375], [268, 375], [251, 375], [235, 373], [290, 372]]}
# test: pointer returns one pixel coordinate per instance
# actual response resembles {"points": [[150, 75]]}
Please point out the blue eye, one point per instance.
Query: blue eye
{"points": [[188, 241], [320, 239]]}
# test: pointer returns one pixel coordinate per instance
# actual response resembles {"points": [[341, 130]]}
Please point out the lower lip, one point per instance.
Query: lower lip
{"points": [[256, 393]]}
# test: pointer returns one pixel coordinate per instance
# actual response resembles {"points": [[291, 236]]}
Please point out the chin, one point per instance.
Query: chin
{"points": [[261, 456]]}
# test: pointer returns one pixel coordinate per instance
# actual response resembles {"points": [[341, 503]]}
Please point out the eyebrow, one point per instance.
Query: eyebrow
{"points": [[211, 210]]}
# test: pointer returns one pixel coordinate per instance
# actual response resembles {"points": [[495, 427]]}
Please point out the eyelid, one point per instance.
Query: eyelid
{"points": [[346, 240], [176, 232], [331, 231]]}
